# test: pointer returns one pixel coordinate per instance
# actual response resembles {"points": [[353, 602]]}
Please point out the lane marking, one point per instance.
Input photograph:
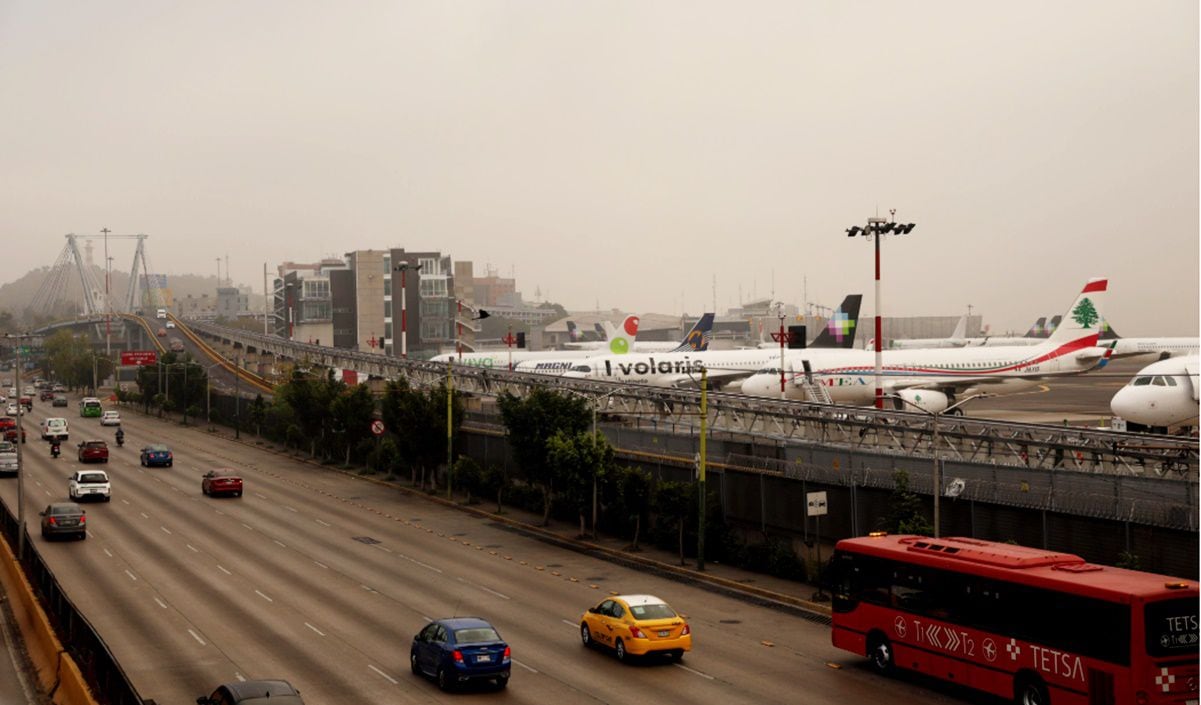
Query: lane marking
{"points": [[165, 529], [125, 501], [197, 637], [219, 512], [280, 543], [47, 493], [260, 496], [423, 565], [368, 588], [528, 668], [322, 522], [289, 508], [131, 575], [192, 548], [268, 599], [498, 594], [385, 675], [160, 603], [573, 625], [314, 629], [694, 671], [106, 551], [385, 549], [322, 564], [223, 570], [144, 515], [248, 526], [241, 678]]}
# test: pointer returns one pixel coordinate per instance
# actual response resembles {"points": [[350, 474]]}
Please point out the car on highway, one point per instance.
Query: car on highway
{"points": [[60, 399], [30, 390], [636, 625], [8, 427], [93, 452], [176, 345], [8, 458], [60, 388], [270, 692], [90, 407], [12, 391], [110, 418], [64, 518], [221, 481], [161, 313], [89, 484], [12, 409], [162, 332], [55, 429], [460, 650], [170, 324], [156, 454], [46, 395]]}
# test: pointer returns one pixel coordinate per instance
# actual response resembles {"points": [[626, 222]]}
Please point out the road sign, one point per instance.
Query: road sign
{"points": [[815, 504], [377, 427], [139, 357]]}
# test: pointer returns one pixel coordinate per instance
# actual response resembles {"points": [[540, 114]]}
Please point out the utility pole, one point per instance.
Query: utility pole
{"points": [[700, 534], [108, 308], [20, 459], [449, 430]]}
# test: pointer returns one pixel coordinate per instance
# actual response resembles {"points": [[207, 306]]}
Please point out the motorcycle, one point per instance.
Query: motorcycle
{"points": [[120, 438], [54, 450]]}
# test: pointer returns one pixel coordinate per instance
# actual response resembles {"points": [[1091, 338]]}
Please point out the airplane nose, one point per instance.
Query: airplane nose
{"points": [[1127, 403]]}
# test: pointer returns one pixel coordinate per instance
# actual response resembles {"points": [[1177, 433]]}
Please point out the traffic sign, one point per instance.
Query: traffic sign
{"points": [[815, 504], [139, 357], [377, 427]]}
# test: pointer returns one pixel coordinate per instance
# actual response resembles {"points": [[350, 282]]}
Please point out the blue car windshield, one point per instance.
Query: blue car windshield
{"points": [[476, 635]]}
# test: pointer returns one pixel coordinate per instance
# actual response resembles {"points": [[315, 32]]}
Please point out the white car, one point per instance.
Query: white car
{"points": [[12, 410], [30, 390], [86, 484], [55, 429], [111, 418], [170, 324], [8, 458]]}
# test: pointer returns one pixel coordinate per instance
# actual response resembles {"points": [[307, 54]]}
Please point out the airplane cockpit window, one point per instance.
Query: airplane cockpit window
{"points": [[1170, 380], [1141, 381], [1158, 381]]}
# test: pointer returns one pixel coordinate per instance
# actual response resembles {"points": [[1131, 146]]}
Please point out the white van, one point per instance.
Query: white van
{"points": [[54, 429], [162, 313]]}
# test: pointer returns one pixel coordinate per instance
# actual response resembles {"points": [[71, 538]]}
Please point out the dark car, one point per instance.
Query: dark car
{"points": [[60, 399], [8, 426], [221, 481], [157, 454], [64, 518], [253, 693], [93, 452], [46, 394], [458, 650]]}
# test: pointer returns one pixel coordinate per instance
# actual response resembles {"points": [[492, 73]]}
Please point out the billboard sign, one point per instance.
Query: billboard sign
{"points": [[139, 357]]}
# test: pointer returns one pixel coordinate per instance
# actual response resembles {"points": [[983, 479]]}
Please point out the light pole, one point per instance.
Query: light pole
{"points": [[935, 417], [701, 460], [403, 268], [108, 309], [875, 229], [780, 335]]}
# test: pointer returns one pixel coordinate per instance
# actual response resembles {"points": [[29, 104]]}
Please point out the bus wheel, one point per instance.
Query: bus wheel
{"points": [[1029, 690], [879, 652]]}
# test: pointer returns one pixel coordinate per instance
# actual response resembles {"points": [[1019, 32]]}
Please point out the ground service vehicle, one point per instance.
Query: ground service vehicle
{"points": [[636, 625], [253, 693], [1033, 625], [90, 407], [64, 518], [459, 650]]}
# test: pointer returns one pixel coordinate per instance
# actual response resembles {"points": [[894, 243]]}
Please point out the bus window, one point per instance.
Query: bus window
{"points": [[1172, 628]]}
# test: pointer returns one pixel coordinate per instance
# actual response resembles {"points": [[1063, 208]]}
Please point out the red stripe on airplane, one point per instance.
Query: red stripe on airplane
{"points": [[1095, 286]]}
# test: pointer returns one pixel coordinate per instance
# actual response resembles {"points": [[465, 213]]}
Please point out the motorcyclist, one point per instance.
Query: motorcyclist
{"points": [[120, 437], [54, 449]]}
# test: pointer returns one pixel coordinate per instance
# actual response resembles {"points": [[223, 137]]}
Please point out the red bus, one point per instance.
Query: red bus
{"points": [[1037, 626]]}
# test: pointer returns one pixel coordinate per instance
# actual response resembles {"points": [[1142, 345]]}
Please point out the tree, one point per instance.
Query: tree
{"points": [[635, 486], [258, 413], [495, 480], [532, 420], [577, 462], [673, 501], [905, 513], [351, 414], [417, 421], [468, 475]]}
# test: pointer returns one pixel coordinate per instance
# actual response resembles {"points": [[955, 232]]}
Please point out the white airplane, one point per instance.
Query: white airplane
{"points": [[1160, 348], [958, 339], [1162, 396], [701, 329], [926, 378], [508, 358], [695, 340]]}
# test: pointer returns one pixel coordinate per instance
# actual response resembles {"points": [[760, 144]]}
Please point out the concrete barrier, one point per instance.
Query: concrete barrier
{"points": [[57, 672]]}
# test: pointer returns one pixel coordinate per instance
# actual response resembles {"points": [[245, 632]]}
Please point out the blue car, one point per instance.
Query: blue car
{"points": [[459, 650], [157, 455]]}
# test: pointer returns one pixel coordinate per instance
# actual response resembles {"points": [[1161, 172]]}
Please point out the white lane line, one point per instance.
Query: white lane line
{"points": [[47, 493], [241, 678], [268, 599], [144, 515], [161, 603], [498, 594], [280, 543], [165, 529], [131, 575], [107, 552], [248, 526], [368, 588], [573, 625], [260, 496], [196, 637], [289, 508], [314, 629], [385, 549], [192, 548], [322, 564], [125, 501], [38, 483], [426, 618], [423, 565], [385, 675], [219, 512], [693, 671], [531, 670], [223, 570], [322, 522]]}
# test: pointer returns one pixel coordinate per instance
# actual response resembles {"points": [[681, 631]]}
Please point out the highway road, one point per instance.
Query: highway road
{"points": [[323, 578]]}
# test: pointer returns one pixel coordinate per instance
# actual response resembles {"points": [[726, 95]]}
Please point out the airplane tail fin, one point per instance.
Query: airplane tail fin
{"points": [[573, 333], [621, 340], [1107, 331], [960, 329], [698, 337], [1053, 325], [840, 328], [603, 330], [1036, 330], [1081, 325]]}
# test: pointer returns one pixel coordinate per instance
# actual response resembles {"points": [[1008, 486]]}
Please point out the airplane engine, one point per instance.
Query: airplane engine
{"points": [[928, 399], [768, 385]]}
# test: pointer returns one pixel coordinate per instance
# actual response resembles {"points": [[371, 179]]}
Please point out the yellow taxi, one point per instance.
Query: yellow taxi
{"points": [[636, 625]]}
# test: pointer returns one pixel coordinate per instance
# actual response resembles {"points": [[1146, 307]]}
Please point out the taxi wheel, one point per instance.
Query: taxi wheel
{"points": [[620, 648], [677, 655], [585, 635]]}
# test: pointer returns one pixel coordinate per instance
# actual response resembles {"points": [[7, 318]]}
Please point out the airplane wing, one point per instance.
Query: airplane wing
{"points": [[716, 378]]}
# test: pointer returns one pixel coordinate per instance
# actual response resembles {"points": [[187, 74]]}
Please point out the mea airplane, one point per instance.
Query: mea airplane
{"points": [[1162, 396], [695, 340]]}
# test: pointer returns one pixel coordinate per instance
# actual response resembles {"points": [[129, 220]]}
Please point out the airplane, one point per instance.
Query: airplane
{"points": [[1160, 348], [839, 331], [1162, 396], [929, 379], [958, 339], [701, 329], [1038, 334], [695, 340], [507, 358]]}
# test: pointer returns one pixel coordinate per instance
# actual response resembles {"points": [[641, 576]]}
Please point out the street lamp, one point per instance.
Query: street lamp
{"points": [[403, 268], [935, 417], [780, 337], [877, 228]]}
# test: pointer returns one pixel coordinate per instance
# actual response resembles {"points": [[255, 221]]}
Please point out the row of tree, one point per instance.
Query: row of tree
{"points": [[73, 362]]}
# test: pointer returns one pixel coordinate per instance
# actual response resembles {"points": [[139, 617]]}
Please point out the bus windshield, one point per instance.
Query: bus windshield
{"points": [[1172, 628], [90, 407]]}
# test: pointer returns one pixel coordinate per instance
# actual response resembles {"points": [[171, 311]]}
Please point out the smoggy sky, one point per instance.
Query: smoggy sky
{"points": [[626, 153]]}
